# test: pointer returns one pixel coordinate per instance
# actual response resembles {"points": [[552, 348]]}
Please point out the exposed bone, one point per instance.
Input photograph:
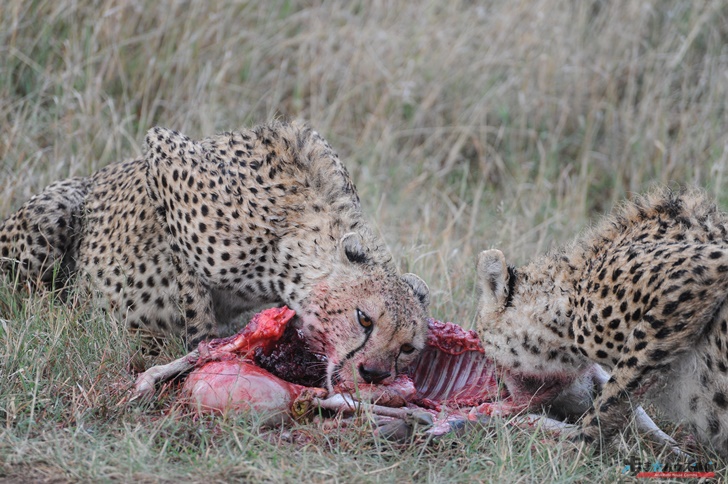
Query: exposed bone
{"points": [[148, 380], [346, 404]]}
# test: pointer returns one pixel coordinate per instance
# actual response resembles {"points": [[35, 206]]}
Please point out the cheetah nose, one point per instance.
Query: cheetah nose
{"points": [[372, 375]]}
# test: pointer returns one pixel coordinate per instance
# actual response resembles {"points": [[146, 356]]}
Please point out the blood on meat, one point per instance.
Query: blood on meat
{"points": [[268, 362]]}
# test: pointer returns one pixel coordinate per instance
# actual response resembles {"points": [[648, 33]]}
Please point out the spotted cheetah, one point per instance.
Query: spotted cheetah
{"points": [[181, 240], [643, 294]]}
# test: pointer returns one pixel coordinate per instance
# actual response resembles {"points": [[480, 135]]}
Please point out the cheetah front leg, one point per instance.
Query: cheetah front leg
{"points": [[197, 323], [644, 423], [645, 355], [196, 306]]}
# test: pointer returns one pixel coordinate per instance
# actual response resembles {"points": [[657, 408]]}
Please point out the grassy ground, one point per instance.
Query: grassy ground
{"points": [[465, 125]]}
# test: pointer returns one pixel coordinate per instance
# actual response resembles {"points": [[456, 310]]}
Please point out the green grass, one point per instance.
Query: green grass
{"points": [[64, 417], [465, 125]]}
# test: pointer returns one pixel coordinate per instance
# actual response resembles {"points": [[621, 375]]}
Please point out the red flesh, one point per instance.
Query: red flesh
{"points": [[451, 338], [290, 360], [452, 370], [261, 332], [226, 378], [236, 384]]}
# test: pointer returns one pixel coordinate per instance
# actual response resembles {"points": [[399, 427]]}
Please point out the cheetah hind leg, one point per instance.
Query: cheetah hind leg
{"points": [[39, 243]]}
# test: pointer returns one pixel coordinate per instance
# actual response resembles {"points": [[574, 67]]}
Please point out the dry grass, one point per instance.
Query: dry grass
{"points": [[466, 125]]}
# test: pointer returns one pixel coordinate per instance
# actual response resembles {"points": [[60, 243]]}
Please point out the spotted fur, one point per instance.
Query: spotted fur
{"points": [[181, 240], [643, 294]]}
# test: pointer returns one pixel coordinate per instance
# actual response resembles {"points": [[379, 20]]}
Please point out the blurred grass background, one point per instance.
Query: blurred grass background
{"points": [[465, 125]]}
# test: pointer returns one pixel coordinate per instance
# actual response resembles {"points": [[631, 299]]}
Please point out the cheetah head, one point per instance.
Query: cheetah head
{"points": [[367, 320], [524, 319]]}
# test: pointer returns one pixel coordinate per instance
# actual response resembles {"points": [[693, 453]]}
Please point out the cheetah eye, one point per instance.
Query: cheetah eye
{"points": [[407, 348], [363, 319]]}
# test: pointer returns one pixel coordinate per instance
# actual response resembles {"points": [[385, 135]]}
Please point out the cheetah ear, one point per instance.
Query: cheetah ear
{"points": [[492, 278], [419, 287], [352, 249]]}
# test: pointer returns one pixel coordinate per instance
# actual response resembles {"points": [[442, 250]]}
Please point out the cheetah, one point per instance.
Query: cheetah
{"points": [[181, 240], [643, 293]]}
